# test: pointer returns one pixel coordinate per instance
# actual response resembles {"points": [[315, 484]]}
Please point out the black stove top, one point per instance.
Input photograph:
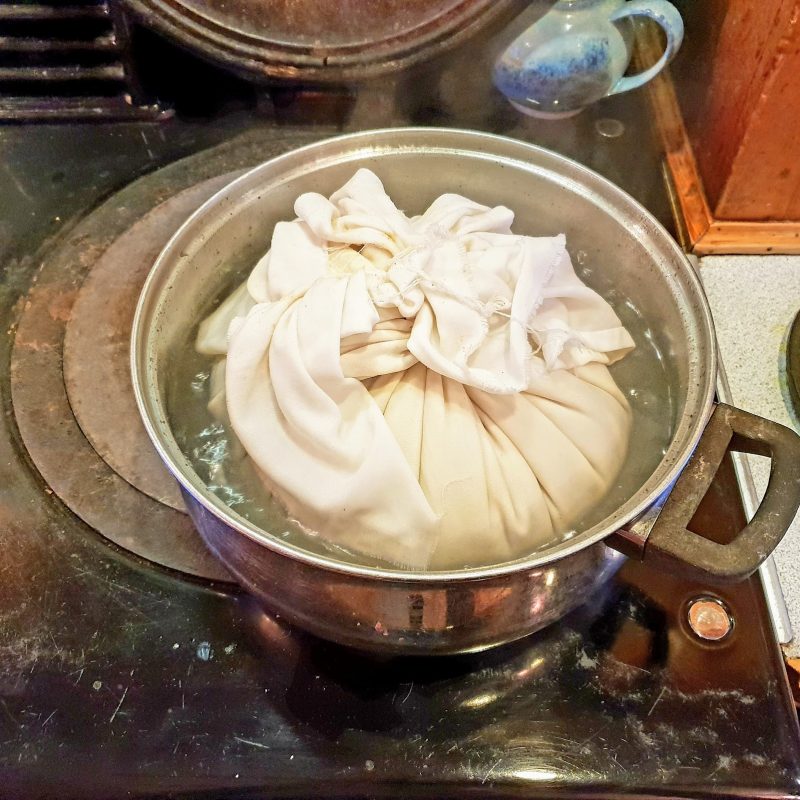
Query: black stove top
{"points": [[130, 666]]}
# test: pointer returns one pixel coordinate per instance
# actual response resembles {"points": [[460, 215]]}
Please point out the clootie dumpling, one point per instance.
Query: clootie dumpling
{"points": [[432, 391]]}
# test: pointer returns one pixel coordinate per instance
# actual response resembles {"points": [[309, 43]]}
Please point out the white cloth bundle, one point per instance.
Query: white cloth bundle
{"points": [[431, 391]]}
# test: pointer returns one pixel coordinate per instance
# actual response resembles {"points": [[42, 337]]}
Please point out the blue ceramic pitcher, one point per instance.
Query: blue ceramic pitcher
{"points": [[577, 53]]}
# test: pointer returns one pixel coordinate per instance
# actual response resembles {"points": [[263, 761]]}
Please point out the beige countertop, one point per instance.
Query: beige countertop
{"points": [[754, 300]]}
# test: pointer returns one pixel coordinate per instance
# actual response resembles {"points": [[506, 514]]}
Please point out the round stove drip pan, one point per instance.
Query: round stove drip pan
{"points": [[70, 380], [97, 346]]}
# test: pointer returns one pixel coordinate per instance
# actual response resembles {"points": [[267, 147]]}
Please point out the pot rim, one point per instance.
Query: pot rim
{"points": [[357, 146]]}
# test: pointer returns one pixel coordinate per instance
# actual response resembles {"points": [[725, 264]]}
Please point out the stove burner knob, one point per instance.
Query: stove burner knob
{"points": [[709, 619]]}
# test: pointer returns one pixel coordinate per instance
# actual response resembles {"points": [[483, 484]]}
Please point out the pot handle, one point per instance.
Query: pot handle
{"points": [[668, 544]]}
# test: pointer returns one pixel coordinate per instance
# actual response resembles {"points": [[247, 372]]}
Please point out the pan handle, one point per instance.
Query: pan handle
{"points": [[662, 539]]}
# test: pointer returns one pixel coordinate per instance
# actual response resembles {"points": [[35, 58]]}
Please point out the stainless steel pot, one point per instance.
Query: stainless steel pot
{"points": [[392, 610]]}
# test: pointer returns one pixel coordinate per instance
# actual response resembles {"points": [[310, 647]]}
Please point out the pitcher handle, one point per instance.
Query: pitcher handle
{"points": [[669, 18]]}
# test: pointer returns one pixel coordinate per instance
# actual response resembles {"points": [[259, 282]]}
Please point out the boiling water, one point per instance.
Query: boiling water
{"points": [[220, 462]]}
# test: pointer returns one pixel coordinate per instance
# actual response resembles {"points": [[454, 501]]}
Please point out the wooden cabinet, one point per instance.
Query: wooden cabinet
{"points": [[729, 114]]}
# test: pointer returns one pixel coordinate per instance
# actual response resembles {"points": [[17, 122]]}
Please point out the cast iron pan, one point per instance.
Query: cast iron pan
{"points": [[320, 41], [793, 364]]}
